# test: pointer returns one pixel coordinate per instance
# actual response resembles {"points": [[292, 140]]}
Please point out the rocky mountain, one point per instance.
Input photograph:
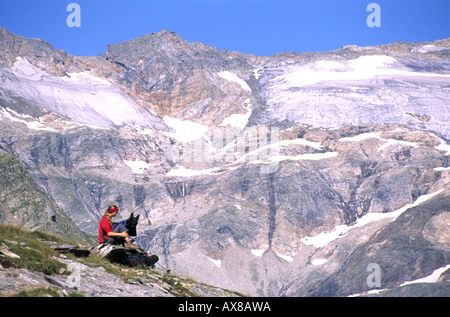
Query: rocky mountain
{"points": [[314, 174], [24, 204]]}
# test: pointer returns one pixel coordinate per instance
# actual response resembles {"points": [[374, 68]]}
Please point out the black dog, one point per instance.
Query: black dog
{"points": [[130, 224]]}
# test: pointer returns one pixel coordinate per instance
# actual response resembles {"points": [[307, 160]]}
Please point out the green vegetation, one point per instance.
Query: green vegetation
{"points": [[178, 287], [32, 252], [47, 292]]}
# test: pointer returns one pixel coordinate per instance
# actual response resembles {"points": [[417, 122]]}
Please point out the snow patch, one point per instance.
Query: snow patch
{"points": [[317, 262], [261, 153], [283, 143], [372, 135], [274, 148], [218, 263], [390, 142], [428, 48], [238, 120], [361, 137], [185, 130], [258, 252], [39, 124], [432, 278], [137, 167], [443, 147], [234, 78], [300, 157], [144, 131], [181, 171], [373, 291], [29, 121], [322, 239], [285, 257], [442, 169], [257, 72]]}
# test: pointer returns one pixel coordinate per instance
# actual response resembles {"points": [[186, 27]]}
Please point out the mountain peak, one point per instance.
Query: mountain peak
{"points": [[164, 41]]}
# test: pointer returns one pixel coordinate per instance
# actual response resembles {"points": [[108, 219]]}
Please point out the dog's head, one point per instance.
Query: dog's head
{"points": [[132, 224]]}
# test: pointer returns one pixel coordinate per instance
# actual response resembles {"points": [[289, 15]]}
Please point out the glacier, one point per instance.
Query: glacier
{"points": [[373, 89], [81, 97]]}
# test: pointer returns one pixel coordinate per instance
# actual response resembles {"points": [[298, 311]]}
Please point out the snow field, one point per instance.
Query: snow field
{"points": [[236, 147], [323, 239], [235, 79], [362, 68], [83, 97]]}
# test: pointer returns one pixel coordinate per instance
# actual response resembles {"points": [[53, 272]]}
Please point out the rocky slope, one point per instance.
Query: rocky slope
{"points": [[42, 265], [24, 204], [273, 176]]}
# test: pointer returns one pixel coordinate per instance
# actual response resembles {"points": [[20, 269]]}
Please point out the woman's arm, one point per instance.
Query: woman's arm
{"points": [[118, 234]]}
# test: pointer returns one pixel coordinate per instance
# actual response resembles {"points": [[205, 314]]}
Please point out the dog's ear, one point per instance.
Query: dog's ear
{"points": [[131, 216], [137, 217]]}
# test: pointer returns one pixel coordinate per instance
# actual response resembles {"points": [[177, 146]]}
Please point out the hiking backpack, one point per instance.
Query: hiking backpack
{"points": [[139, 258]]}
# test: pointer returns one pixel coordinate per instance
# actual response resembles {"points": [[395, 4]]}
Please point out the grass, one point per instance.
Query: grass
{"points": [[177, 287], [47, 292], [38, 256], [34, 254]]}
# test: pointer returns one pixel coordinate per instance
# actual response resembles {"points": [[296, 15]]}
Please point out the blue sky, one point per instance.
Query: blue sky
{"points": [[261, 27]]}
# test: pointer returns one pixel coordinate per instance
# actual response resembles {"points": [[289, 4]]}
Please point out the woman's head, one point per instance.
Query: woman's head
{"points": [[112, 210]]}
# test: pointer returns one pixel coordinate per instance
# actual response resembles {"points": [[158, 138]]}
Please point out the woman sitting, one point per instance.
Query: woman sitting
{"points": [[106, 233]]}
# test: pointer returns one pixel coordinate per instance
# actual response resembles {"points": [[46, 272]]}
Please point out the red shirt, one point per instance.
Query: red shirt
{"points": [[104, 228]]}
